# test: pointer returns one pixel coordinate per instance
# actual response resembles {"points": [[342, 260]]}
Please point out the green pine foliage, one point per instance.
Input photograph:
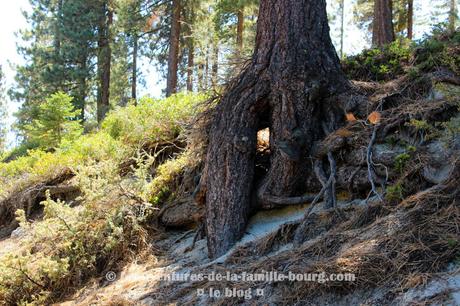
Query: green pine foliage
{"points": [[56, 122]]}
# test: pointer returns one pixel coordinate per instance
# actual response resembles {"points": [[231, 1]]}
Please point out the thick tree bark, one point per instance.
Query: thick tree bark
{"points": [[134, 69], [174, 39], [289, 87], [410, 18], [382, 26], [104, 60]]}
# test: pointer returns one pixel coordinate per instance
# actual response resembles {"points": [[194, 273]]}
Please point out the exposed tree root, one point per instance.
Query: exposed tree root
{"points": [[370, 170], [392, 248], [29, 199]]}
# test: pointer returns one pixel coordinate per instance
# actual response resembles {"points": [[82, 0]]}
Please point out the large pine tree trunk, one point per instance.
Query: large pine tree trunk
{"points": [[104, 60], [173, 58], [382, 25], [289, 87]]}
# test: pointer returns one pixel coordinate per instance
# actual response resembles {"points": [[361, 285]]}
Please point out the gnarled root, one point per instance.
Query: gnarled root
{"points": [[329, 190]]}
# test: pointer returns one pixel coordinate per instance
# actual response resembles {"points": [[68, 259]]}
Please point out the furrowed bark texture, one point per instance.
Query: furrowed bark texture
{"points": [[289, 85], [382, 26]]}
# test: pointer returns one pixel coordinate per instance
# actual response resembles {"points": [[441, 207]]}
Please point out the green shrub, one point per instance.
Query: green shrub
{"points": [[106, 227], [439, 50], [152, 120], [451, 129], [379, 64], [86, 241], [401, 160], [166, 177], [39, 165]]}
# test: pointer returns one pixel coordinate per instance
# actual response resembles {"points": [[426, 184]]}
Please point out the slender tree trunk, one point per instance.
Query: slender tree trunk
{"points": [[410, 18], [342, 28], [201, 76], [173, 58], [134, 72], [289, 87], [82, 82], [382, 26], [190, 65], [58, 36], [191, 52], [206, 69], [240, 30], [215, 63], [452, 15], [104, 62]]}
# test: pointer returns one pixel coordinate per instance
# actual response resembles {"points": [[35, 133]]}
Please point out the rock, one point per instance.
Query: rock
{"points": [[386, 154], [360, 181], [18, 233], [436, 175], [182, 214], [448, 286], [444, 91], [439, 166]]}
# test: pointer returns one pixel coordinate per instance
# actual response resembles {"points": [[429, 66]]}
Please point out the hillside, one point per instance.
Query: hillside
{"points": [[106, 218]]}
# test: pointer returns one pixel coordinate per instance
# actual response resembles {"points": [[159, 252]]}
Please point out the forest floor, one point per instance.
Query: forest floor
{"points": [[145, 282]]}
